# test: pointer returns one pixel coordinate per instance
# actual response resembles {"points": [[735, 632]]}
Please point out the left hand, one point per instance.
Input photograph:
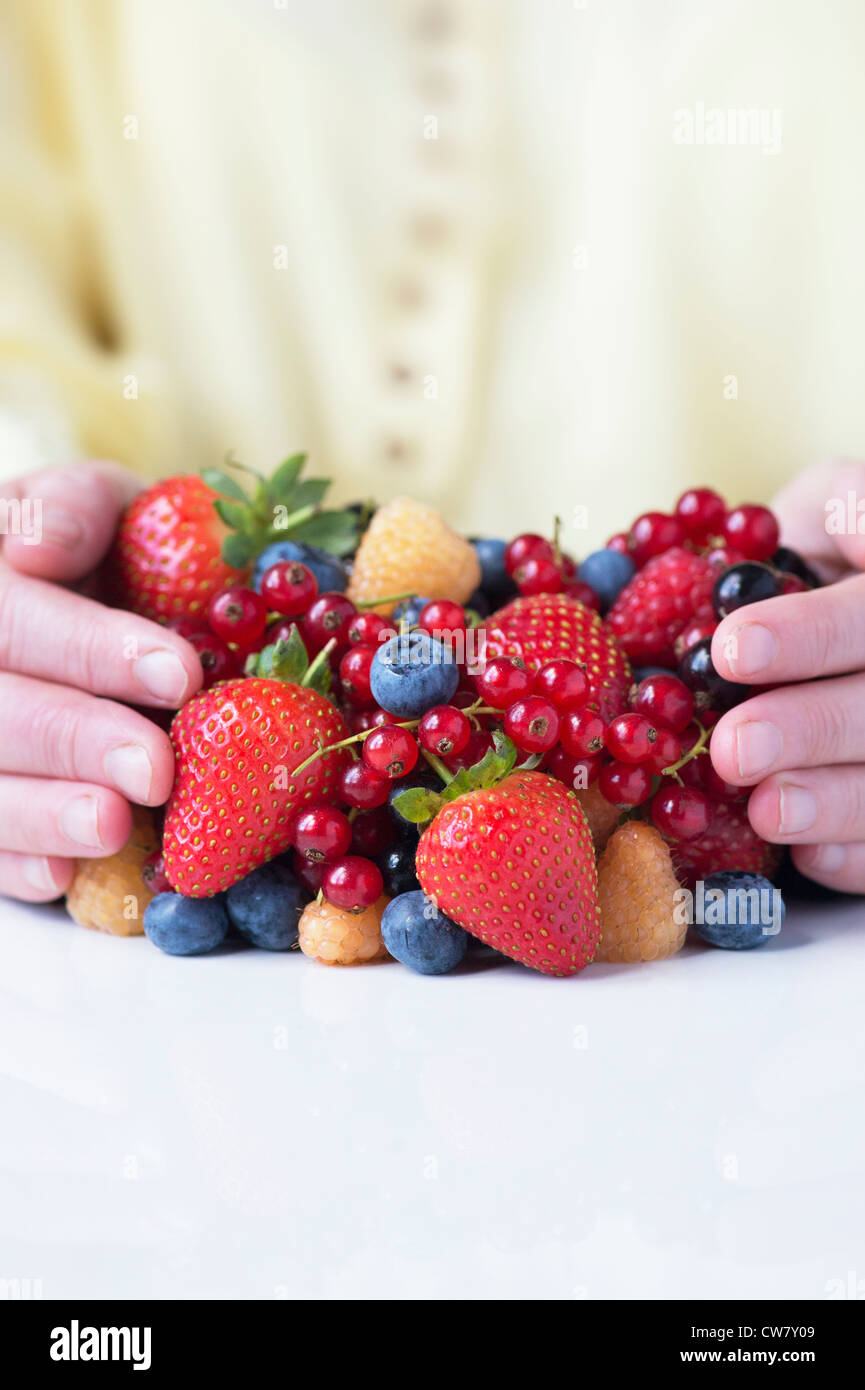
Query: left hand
{"points": [[802, 747]]}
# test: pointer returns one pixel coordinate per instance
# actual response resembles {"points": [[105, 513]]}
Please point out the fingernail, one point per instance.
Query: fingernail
{"points": [[129, 768], [162, 674], [60, 527], [758, 747], [798, 809], [828, 858], [79, 821], [37, 872], [750, 648]]}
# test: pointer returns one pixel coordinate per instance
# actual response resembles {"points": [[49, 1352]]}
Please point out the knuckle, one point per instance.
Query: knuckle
{"points": [[828, 728], [55, 731]]}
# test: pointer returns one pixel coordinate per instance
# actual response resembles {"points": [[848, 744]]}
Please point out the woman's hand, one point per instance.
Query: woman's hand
{"points": [[802, 747], [70, 761]]}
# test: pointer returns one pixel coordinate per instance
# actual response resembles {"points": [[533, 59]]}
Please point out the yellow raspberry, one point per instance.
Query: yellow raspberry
{"points": [[636, 888], [109, 894], [601, 815], [409, 549], [335, 937]]}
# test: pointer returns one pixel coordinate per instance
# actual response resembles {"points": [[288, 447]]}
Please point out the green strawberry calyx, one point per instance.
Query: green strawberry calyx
{"points": [[282, 507], [419, 805], [287, 660]]}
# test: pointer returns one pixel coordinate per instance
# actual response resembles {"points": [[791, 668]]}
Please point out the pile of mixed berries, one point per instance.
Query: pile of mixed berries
{"points": [[409, 743]]}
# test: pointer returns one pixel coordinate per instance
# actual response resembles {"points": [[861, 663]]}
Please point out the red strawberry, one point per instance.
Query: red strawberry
{"points": [[514, 865], [234, 797], [729, 843], [543, 626], [186, 538], [669, 593], [167, 556]]}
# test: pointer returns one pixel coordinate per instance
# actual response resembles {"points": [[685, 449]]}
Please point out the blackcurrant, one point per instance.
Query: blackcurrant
{"points": [[791, 562], [711, 691], [749, 582], [398, 869]]}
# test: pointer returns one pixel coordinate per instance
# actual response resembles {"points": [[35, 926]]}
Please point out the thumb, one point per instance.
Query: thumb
{"points": [[845, 513], [58, 524]]}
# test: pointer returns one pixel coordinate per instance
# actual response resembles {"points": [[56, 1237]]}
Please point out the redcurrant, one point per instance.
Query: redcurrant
{"points": [[479, 744], [701, 512], [325, 619], [364, 629], [582, 733], [390, 750], [538, 575], [625, 784], [307, 872], [238, 615], [289, 588], [153, 873], [218, 662], [631, 738], [652, 534], [444, 730], [576, 773], [583, 593], [752, 530], [502, 681], [354, 672], [352, 883], [666, 751], [372, 832], [664, 700], [526, 547], [533, 724], [441, 617], [682, 813], [563, 683], [359, 785], [322, 834]]}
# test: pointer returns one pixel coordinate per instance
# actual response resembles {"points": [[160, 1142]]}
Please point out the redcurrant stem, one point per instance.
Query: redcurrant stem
{"points": [[386, 598], [348, 742], [316, 665], [694, 752], [557, 543], [438, 766], [352, 814]]}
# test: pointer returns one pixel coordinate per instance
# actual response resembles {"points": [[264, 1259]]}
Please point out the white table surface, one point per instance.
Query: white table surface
{"points": [[258, 1126]]}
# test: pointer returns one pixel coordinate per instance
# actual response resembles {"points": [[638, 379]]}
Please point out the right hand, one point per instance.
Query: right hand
{"points": [[70, 761]]}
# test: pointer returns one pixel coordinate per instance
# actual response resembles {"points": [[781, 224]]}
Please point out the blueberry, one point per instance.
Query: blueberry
{"points": [[495, 580], [711, 691], [641, 672], [607, 571], [409, 610], [410, 673], [398, 868], [422, 776], [185, 926], [748, 582], [739, 910], [416, 933], [330, 572], [265, 906], [479, 603], [790, 562]]}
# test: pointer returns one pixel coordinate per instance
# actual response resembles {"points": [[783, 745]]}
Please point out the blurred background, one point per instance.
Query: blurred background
{"points": [[514, 259]]}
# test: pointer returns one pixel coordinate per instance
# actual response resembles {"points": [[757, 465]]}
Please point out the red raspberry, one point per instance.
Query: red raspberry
{"points": [[666, 596], [729, 843]]}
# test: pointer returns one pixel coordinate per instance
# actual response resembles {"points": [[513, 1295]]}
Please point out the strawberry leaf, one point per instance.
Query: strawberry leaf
{"points": [[237, 550], [223, 484], [283, 480], [332, 531], [309, 492], [232, 513], [290, 661], [496, 764], [418, 805]]}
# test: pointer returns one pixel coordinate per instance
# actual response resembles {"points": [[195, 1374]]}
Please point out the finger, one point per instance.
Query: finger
{"points": [[70, 819], [842, 519], [841, 867], [814, 724], [796, 637], [810, 806], [60, 636], [801, 509], [53, 731], [61, 522], [34, 879]]}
